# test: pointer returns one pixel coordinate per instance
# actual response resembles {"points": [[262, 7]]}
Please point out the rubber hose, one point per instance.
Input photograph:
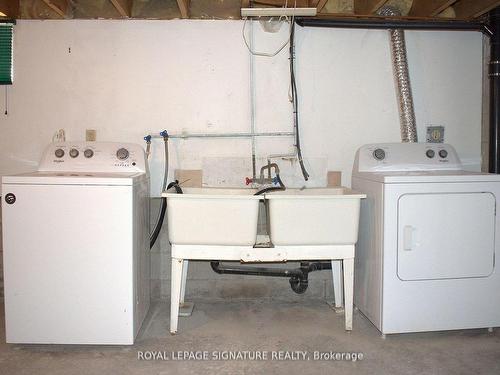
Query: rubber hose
{"points": [[163, 205]]}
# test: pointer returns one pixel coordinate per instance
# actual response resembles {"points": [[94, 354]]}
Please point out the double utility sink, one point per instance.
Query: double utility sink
{"points": [[221, 216]]}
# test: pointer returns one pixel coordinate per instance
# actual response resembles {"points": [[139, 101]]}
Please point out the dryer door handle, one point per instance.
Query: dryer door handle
{"points": [[408, 237]]}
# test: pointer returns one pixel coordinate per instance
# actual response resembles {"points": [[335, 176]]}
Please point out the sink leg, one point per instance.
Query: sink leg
{"points": [[184, 278], [175, 293], [348, 291], [338, 286]]}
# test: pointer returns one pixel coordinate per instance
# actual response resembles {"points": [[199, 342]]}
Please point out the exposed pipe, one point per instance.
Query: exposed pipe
{"points": [[384, 24], [299, 277], [163, 205], [227, 135], [494, 76], [252, 102], [402, 79]]}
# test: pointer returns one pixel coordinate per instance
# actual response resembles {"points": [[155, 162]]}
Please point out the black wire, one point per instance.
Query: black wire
{"points": [[295, 103]]}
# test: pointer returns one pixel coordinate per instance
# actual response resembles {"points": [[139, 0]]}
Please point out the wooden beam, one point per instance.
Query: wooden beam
{"points": [[184, 8], [245, 3], [318, 4], [58, 6], [124, 7], [365, 7], [10, 8], [474, 8], [429, 8]]}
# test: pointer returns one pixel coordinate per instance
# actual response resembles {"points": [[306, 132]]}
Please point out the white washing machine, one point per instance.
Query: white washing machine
{"points": [[76, 246], [425, 259]]}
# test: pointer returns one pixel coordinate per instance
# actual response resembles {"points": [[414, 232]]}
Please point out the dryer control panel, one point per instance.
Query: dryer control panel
{"points": [[389, 157], [93, 157]]}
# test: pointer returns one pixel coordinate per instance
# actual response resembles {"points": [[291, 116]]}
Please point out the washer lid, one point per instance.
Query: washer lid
{"points": [[74, 178], [429, 177]]}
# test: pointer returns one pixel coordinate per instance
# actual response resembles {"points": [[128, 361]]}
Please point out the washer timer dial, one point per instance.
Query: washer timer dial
{"points": [[122, 154]]}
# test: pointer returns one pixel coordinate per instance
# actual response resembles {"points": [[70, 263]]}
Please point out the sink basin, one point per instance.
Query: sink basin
{"points": [[316, 216], [213, 216]]}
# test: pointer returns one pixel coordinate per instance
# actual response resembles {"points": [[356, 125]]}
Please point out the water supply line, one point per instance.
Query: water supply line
{"points": [[228, 135], [163, 205], [148, 146], [402, 78]]}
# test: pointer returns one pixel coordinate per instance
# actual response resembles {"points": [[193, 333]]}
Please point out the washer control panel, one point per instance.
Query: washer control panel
{"points": [[387, 157], [94, 157]]}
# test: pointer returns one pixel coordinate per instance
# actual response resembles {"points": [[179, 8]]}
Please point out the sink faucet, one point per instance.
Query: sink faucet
{"points": [[269, 166], [266, 180]]}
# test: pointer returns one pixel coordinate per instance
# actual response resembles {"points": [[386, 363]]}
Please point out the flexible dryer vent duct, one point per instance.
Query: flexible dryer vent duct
{"points": [[402, 79]]}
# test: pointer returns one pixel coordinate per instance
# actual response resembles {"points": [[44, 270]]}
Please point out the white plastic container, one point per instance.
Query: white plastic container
{"points": [[316, 216], [213, 216]]}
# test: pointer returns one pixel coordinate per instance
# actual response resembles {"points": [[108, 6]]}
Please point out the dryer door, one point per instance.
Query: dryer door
{"points": [[446, 235]]}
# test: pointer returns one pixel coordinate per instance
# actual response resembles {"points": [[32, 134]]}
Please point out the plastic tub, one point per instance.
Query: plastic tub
{"points": [[316, 216], [213, 216]]}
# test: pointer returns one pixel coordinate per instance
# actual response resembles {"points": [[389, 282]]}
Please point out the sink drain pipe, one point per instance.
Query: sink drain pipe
{"points": [[298, 276]]}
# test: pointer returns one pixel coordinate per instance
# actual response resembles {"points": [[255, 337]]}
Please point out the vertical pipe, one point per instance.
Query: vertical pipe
{"points": [[252, 101], [494, 76]]}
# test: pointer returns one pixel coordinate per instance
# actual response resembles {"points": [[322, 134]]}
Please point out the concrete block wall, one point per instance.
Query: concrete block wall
{"points": [[127, 79]]}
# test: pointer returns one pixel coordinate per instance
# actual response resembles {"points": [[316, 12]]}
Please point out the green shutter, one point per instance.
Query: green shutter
{"points": [[6, 54]]}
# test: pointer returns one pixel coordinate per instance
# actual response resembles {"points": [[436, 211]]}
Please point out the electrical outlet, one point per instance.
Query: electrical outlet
{"points": [[90, 135], [435, 134]]}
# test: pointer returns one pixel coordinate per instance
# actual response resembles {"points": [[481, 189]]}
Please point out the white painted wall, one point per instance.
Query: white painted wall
{"points": [[130, 78]]}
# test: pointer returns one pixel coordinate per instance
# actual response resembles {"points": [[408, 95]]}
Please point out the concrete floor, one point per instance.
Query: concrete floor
{"points": [[264, 325]]}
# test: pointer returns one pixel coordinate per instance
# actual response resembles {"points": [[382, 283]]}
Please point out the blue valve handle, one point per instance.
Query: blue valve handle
{"points": [[147, 138], [164, 134]]}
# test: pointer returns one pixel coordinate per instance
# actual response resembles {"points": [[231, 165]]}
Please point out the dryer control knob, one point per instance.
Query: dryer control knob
{"points": [[122, 154], [74, 153], [430, 154], [59, 153], [443, 153], [379, 154]]}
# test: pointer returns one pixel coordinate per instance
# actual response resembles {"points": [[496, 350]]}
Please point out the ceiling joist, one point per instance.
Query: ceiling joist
{"points": [[429, 8], [474, 8], [184, 8], [318, 4], [10, 8], [366, 7], [124, 7], [281, 3], [230, 9], [58, 6]]}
